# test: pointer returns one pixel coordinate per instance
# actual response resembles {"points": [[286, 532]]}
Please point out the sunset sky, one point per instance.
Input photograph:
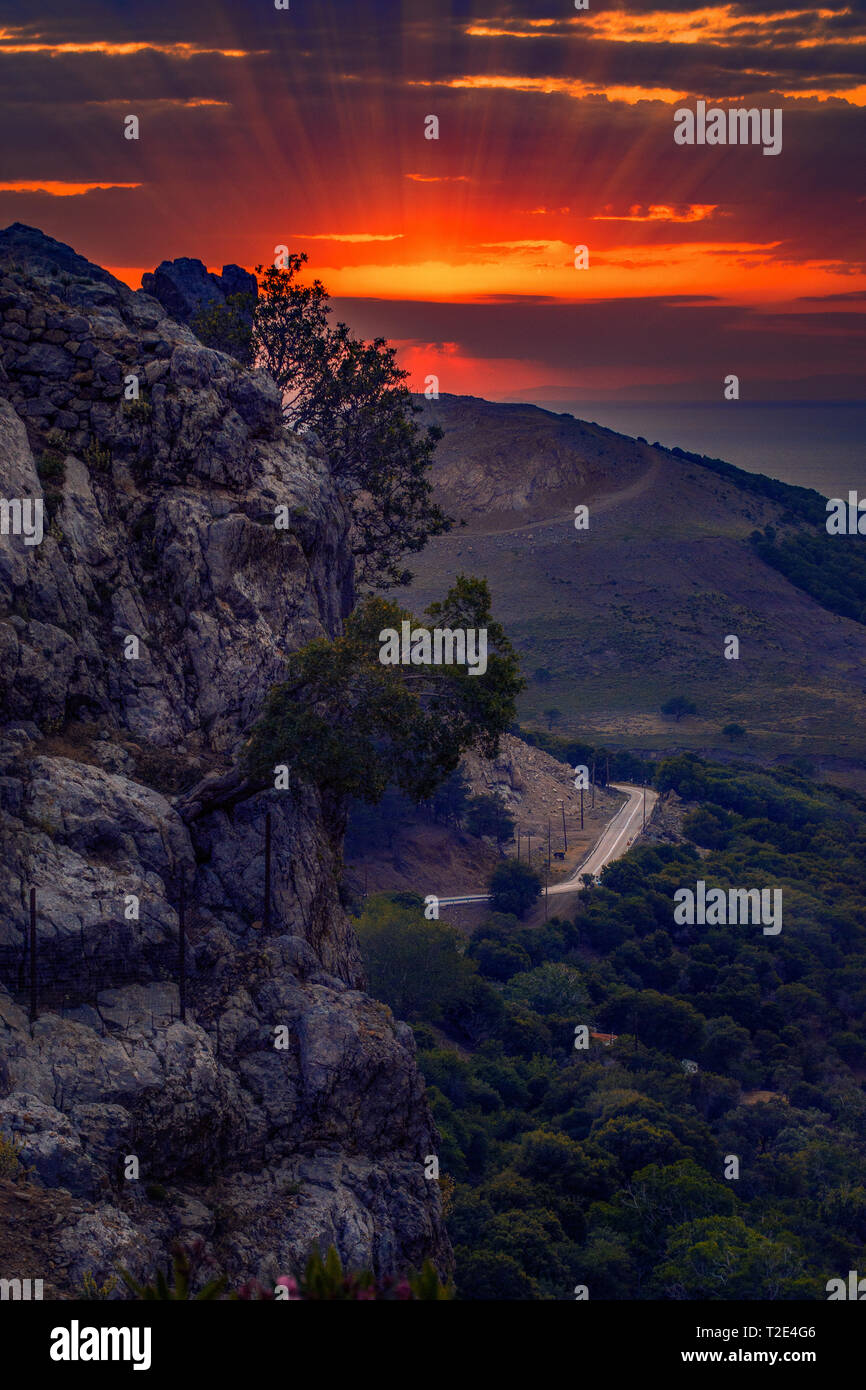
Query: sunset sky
{"points": [[305, 127]]}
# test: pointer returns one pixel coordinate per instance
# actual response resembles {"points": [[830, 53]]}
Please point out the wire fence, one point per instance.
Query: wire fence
{"points": [[58, 973]]}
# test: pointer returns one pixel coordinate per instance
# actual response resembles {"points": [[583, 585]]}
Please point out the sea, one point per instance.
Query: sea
{"points": [[821, 445]]}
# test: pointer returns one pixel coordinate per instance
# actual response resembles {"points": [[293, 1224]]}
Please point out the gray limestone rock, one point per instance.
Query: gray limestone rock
{"points": [[160, 527]]}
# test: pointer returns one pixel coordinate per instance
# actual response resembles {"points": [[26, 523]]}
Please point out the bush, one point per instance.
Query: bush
{"points": [[186, 1262], [486, 815], [414, 966], [10, 1157], [513, 887], [677, 707], [325, 1280], [550, 989]]}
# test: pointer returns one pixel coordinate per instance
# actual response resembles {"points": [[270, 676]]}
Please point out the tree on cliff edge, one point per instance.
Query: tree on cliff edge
{"points": [[354, 397], [349, 725], [346, 723]]}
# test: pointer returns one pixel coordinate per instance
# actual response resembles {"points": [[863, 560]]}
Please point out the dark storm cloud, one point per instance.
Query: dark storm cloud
{"points": [[623, 333], [387, 40]]}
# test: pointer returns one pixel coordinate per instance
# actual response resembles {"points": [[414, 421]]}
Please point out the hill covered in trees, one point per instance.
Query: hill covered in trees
{"points": [[611, 1167]]}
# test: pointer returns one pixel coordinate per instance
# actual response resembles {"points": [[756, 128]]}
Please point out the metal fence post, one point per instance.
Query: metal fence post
{"points": [[182, 945], [32, 956], [266, 916]]}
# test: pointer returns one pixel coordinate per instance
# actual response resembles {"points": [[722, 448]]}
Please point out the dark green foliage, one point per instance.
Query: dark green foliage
{"points": [[50, 465], [351, 726], [831, 569], [624, 766], [513, 887], [734, 731], [186, 1261], [678, 706], [801, 503], [324, 1279], [708, 827], [372, 827], [51, 469], [228, 327], [449, 801], [606, 1166], [486, 815], [414, 965]]}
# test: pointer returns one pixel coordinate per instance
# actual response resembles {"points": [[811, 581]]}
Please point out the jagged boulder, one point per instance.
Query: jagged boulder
{"points": [[185, 285]]}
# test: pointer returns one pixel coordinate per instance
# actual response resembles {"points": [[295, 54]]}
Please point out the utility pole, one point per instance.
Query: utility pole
{"points": [[581, 808], [548, 844], [564, 834], [266, 916], [546, 889], [644, 806], [32, 956], [181, 922]]}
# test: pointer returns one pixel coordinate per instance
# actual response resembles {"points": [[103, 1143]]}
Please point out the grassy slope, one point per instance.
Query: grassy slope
{"points": [[637, 608]]}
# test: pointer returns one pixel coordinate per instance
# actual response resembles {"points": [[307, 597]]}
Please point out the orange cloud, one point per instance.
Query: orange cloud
{"points": [[347, 236], [718, 24], [660, 212], [567, 86], [10, 44], [740, 272], [159, 103], [854, 96], [57, 188]]}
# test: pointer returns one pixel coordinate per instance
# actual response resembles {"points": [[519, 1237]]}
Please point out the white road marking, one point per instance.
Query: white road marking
{"points": [[603, 851]]}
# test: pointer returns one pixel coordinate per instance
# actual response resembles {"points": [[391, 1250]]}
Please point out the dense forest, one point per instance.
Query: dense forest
{"points": [[715, 1148], [831, 569]]}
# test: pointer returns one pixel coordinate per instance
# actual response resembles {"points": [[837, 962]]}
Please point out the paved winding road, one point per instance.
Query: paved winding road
{"points": [[621, 831]]}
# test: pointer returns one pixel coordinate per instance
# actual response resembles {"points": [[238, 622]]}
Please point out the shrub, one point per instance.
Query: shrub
{"points": [[513, 887], [50, 465], [186, 1261], [96, 457], [325, 1279], [10, 1157]]}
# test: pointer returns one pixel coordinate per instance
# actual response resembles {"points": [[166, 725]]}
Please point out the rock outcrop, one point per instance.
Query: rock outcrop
{"points": [[137, 641], [185, 285]]}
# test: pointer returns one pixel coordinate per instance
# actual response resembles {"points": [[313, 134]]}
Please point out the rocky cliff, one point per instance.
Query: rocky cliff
{"points": [[137, 640]]}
